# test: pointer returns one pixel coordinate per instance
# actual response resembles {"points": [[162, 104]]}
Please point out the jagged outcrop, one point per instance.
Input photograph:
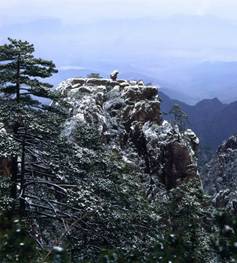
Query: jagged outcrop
{"points": [[127, 115], [8, 147], [219, 176], [221, 172]]}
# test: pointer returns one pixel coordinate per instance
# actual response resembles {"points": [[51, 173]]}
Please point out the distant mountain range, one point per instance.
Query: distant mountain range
{"points": [[212, 120], [201, 80], [190, 57]]}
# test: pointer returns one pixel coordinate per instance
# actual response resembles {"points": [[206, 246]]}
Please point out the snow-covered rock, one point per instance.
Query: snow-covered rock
{"points": [[220, 173], [127, 116]]}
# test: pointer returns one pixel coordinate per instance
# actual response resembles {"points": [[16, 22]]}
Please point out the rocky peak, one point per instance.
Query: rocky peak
{"points": [[219, 176], [228, 145], [127, 116], [221, 172]]}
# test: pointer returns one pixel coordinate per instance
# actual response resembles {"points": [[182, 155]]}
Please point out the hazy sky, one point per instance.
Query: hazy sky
{"points": [[151, 38], [141, 32], [145, 29], [13, 11]]}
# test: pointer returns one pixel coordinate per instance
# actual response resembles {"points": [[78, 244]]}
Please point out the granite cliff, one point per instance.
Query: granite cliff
{"points": [[128, 118], [219, 176]]}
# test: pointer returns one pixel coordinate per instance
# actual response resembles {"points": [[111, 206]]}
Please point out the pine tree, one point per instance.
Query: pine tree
{"points": [[20, 72], [180, 117], [16, 244], [186, 225], [94, 75], [20, 82], [225, 238]]}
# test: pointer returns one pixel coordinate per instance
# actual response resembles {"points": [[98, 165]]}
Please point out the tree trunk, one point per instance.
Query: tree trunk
{"points": [[22, 178], [14, 177], [18, 80]]}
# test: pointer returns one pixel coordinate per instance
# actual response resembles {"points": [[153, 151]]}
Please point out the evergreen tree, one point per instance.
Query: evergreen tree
{"points": [[186, 226], [225, 238], [180, 117], [15, 244], [20, 72], [94, 75], [20, 82]]}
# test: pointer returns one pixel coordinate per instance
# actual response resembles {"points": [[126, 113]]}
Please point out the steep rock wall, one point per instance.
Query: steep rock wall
{"points": [[127, 115], [219, 176]]}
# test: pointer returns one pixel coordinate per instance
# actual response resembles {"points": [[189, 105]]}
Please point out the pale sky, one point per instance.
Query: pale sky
{"points": [[202, 29], [155, 38], [77, 11]]}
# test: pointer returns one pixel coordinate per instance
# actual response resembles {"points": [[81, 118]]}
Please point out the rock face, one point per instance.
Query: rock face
{"points": [[127, 115], [221, 172], [219, 176], [5, 167], [7, 150]]}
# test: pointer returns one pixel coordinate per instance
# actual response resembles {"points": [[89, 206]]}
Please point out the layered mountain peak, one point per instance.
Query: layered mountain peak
{"points": [[127, 116]]}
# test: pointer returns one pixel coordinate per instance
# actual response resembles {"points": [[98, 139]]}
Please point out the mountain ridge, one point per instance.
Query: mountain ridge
{"points": [[211, 119]]}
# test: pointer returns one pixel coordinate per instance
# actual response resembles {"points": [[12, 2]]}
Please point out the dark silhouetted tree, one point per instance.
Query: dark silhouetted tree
{"points": [[94, 75], [20, 82], [20, 72]]}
